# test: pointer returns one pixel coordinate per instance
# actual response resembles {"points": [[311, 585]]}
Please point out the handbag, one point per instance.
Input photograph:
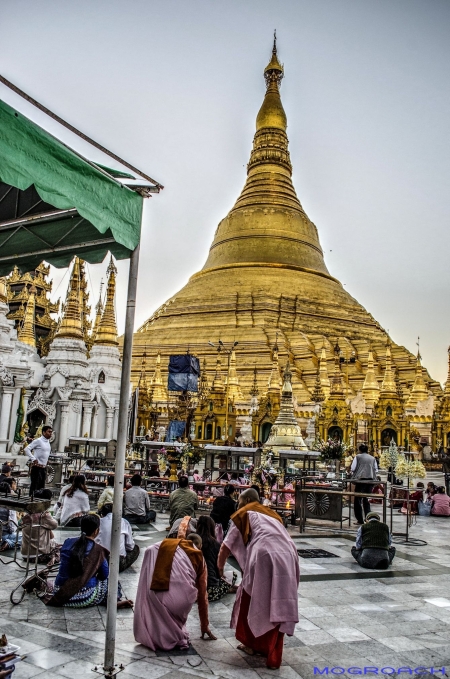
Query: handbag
{"points": [[424, 508]]}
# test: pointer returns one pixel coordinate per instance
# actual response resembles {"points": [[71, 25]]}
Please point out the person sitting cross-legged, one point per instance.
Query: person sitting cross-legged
{"points": [[373, 544], [129, 551], [137, 503]]}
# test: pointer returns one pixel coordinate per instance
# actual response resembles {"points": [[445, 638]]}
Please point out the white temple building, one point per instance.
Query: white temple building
{"points": [[75, 387]]}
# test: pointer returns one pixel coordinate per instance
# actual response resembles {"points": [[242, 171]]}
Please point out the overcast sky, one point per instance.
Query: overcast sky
{"points": [[175, 86]]}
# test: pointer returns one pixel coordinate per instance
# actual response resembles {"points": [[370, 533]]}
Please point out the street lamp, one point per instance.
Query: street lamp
{"points": [[220, 348]]}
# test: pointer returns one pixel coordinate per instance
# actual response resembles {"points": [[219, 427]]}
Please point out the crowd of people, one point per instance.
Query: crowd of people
{"points": [[189, 566]]}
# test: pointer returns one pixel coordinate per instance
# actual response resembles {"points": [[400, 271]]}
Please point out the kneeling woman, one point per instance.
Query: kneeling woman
{"points": [[82, 579]]}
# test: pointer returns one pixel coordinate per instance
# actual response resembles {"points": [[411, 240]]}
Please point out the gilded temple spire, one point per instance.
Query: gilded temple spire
{"points": [[26, 334], [158, 391], [218, 384], [336, 387], [234, 390], [371, 388], [388, 386], [323, 372], [419, 391], [98, 313], [274, 384], [107, 329], [71, 322], [318, 394]]}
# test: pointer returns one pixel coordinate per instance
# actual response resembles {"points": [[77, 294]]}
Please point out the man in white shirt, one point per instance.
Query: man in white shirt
{"points": [[129, 551], [364, 471], [38, 451]]}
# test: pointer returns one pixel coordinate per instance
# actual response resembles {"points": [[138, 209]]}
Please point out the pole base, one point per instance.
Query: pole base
{"points": [[108, 673]]}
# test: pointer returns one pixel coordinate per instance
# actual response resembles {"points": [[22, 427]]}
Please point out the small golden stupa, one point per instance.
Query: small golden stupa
{"points": [[265, 284]]}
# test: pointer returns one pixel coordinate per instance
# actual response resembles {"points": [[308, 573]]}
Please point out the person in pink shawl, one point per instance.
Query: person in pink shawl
{"points": [[266, 605], [173, 577]]}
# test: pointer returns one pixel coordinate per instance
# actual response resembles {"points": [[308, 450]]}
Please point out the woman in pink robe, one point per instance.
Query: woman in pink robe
{"points": [[160, 614], [266, 605]]}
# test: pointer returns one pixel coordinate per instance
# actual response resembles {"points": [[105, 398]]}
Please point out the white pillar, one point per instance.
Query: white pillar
{"points": [[116, 422], [87, 417], [94, 423], [5, 416], [63, 425], [109, 423]]}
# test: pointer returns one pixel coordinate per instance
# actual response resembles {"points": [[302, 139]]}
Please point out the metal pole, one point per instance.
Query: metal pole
{"points": [[111, 613]]}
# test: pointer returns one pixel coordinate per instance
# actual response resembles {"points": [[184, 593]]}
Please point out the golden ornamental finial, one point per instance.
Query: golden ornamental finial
{"points": [[26, 333], [107, 329], [71, 323]]}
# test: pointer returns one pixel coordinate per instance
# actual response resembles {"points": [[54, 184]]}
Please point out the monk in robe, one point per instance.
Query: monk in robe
{"points": [[266, 604], [173, 577]]}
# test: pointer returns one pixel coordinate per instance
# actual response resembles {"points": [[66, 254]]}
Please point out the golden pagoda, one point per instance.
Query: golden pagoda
{"points": [[106, 333], [25, 333], [71, 324], [265, 284], [44, 326]]}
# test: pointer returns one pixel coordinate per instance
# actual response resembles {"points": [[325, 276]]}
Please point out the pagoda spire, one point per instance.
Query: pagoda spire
{"points": [[388, 386], [419, 391], [336, 387], [204, 384], [274, 385], [71, 322], [158, 391], [267, 225], [286, 432], [98, 313], [107, 328], [218, 384], [26, 334], [371, 388], [254, 391], [142, 383], [323, 372], [318, 394], [234, 390]]}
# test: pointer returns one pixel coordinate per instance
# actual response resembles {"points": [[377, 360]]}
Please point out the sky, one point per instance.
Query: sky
{"points": [[174, 87]]}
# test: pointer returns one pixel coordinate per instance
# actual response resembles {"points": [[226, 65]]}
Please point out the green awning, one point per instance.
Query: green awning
{"points": [[98, 212]]}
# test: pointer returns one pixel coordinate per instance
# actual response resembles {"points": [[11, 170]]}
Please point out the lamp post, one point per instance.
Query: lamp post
{"points": [[221, 347]]}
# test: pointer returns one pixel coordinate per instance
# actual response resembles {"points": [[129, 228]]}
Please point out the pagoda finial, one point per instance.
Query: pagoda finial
{"points": [[254, 391], [26, 333], [388, 386], [271, 114], [71, 322], [371, 388], [107, 329], [323, 372], [98, 311], [318, 394]]}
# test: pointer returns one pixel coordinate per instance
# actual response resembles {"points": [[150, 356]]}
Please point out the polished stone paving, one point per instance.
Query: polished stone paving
{"points": [[348, 618]]}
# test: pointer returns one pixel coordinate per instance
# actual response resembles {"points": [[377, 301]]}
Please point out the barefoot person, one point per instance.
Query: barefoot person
{"points": [[266, 605], [173, 577]]}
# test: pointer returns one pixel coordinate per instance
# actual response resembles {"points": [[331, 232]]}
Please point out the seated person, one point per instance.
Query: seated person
{"points": [[234, 479], [440, 503], [137, 503], [182, 501], [414, 499], [373, 544], [129, 551], [75, 502], [5, 476], [430, 491], [8, 525], [82, 579], [378, 489], [173, 577], [37, 533], [217, 586], [224, 506], [197, 476], [107, 497]]}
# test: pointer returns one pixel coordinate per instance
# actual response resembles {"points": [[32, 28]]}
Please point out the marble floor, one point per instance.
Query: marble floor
{"points": [[349, 617]]}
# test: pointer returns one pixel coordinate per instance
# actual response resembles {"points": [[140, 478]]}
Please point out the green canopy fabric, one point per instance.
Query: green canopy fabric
{"points": [[31, 156]]}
